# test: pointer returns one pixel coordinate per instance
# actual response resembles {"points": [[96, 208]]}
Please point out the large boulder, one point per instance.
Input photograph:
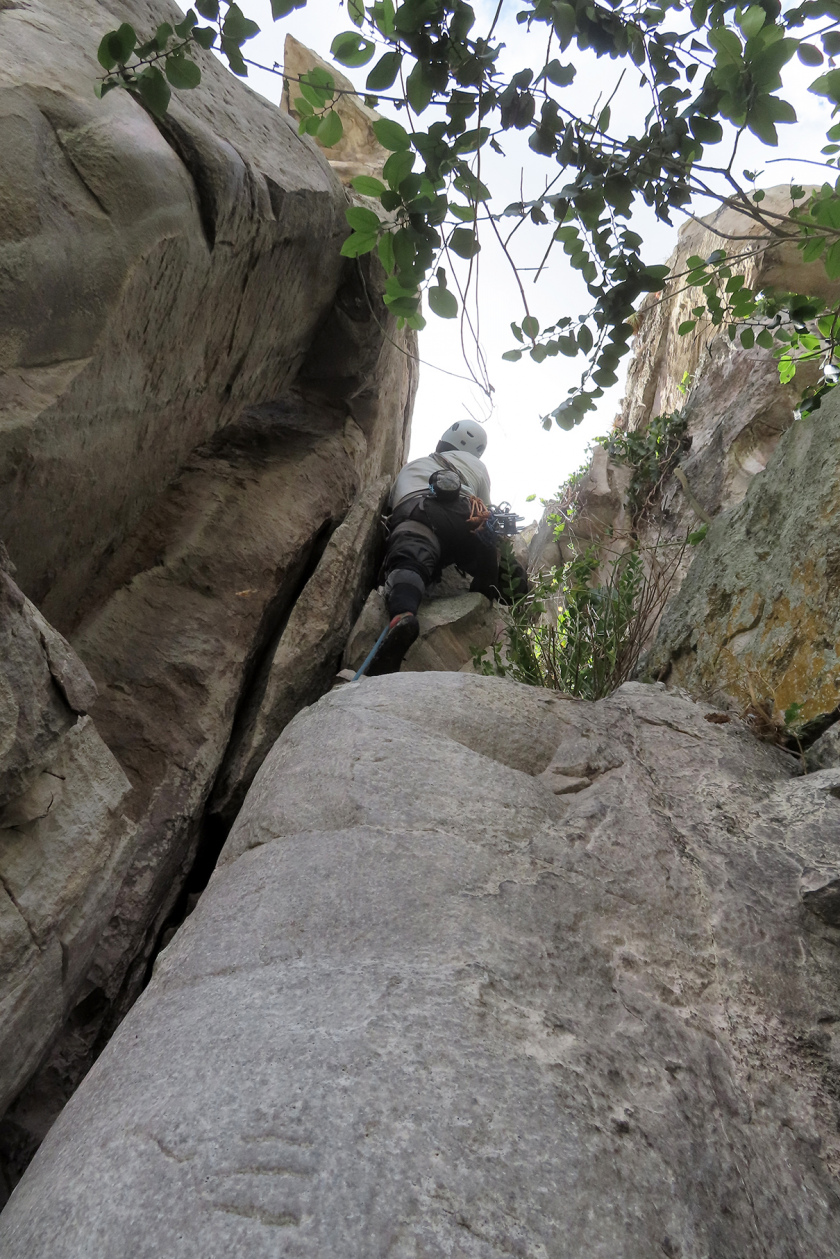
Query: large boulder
{"points": [[757, 621], [163, 276], [64, 836], [196, 390], [434, 1002]]}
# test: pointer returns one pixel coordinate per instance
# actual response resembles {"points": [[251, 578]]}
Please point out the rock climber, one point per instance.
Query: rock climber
{"points": [[439, 510]]}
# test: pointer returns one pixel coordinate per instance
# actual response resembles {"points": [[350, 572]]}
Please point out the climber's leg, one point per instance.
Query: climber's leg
{"points": [[411, 561]]}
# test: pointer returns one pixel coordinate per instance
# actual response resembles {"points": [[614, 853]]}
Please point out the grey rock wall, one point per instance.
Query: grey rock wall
{"points": [[64, 835], [430, 1006], [757, 619], [163, 278], [195, 389]]}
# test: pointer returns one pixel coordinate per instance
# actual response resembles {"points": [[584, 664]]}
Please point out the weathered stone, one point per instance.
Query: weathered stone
{"points": [[187, 266], [62, 837], [428, 1007], [301, 665], [756, 619], [64, 846], [824, 752], [358, 152], [451, 624], [43, 687], [602, 517]]}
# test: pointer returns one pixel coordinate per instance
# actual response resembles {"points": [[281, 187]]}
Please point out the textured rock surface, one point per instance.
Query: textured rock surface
{"points": [[162, 279], [358, 152], [428, 1006], [758, 615], [303, 663], [601, 516], [63, 837], [824, 752], [452, 621], [195, 389]]}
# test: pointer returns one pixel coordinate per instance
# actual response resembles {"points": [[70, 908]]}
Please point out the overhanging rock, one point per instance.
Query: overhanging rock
{"points": [[430, 1007]]}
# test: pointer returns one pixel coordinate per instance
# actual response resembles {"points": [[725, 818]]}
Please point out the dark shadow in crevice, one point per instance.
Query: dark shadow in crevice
{"points": [[213, 829]]}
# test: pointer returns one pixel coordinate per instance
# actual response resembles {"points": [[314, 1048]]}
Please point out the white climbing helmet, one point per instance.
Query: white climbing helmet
{"points": [[466, 435]]}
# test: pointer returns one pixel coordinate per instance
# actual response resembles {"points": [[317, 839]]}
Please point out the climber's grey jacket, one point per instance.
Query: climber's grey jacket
{"points": [[414, 477]]}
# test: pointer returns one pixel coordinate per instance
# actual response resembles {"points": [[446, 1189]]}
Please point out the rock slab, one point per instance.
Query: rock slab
{"points": [[428, 1006], [757, 619]]}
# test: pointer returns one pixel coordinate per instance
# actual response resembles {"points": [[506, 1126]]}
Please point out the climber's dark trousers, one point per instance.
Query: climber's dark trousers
{"points": [[425, 537]]}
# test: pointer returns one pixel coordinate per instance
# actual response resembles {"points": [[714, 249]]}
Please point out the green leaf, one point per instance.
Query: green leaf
{"points": [[398, 167], [832, 261], [792, 712], [205, 37], [405, 250], [604, 118], [183, 29], [384, 73], [181, 72], [317, 86], [282, 8], [464, 243], [765, 339], [512, 356], [153, 91], [565, 24], [352, 49], [747, 338], [367, 185], [752, 20], [356, 12], [361, 219], [827, 85], [237, 27], [813, 248], [787, 370], [809, 55], [530, 326], [208, 9], [688, 325], [419, 87], [386, 252], [303, 108], [391, 135], [707, 131], [117, 46], [443, 302], [358, 243], [560, 75], [584, 339], [698, 535], [330, 130], [402, 305]]}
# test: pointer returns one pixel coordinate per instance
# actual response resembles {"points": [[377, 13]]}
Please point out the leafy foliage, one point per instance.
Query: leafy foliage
{"points": [[652, 453], [591, 644], [711, 63]]}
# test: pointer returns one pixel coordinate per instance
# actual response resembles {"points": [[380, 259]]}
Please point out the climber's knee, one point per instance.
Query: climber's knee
{"points": [[404, 590]]}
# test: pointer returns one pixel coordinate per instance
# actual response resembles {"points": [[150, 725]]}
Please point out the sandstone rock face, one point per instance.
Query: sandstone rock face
{"points": [[64, 839], [757, 618], [452, 619], [163, 277], [358, 152], [429, 1006], [196, 388], [307, 655]]}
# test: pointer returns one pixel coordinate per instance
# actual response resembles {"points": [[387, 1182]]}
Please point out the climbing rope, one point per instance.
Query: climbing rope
{"points": [[479, 514]]}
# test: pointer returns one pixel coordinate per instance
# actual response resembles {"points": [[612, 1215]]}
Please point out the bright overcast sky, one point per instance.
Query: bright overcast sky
{"points": [[522, 457]]}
